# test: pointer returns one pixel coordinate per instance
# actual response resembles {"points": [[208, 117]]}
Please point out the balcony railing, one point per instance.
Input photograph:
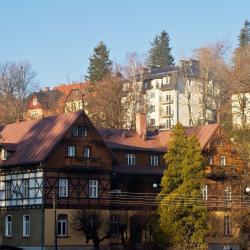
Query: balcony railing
{"points": [[221, 171], [83, 162]]}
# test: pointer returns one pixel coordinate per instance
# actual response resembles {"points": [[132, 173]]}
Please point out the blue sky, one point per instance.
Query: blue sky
{"points": [[58, 36]]}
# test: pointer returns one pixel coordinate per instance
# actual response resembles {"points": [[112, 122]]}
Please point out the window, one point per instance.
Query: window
{"points": [[130, 159], [93, 188], [34, 101], [154, 160], [168, 98], [152, 108], [8, 192], [34, 113], [219, 142], [79, 131], [223, 160], [152, 95], [63, 187], [152, 121], [86, 152], [210, 160], [26, 226], [25, 188], [114, 225], [204, 191], [190, 95], [71, 151], [228, 194], [168, 110], [62, 225], [4, 154], [168, 123], [8, 226], [227, 226]]}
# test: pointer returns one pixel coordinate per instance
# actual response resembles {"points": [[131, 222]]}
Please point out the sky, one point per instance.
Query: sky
{"points": [[57, 37]]}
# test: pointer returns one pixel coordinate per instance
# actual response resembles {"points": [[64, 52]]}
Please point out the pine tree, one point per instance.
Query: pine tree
{"points": [[100, 66], [182, 213], [160, 52], [244, 37]]}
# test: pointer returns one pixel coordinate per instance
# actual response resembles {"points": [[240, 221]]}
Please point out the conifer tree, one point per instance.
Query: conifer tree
{"points": [[160, 52], [182, 213], [244, 37], [100, 66]]}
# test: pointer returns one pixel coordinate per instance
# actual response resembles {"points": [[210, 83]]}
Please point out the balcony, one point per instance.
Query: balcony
{"points": [[217, 171], [82, 162]]}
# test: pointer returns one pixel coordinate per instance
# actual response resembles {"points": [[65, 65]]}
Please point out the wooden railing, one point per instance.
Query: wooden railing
{"points": [[83, 162]]}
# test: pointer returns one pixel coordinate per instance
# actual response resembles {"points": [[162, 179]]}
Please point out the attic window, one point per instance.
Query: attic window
{"points": [[4, 155], [79, 131], [34, 101]]}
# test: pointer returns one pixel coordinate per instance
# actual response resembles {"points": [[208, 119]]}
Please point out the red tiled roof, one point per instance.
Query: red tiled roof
{"points": [[35, 139], [120, 139], [67, 88]]}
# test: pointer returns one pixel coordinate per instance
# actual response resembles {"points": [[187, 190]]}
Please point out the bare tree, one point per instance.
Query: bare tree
{"points": [[134, 72], [212, 76], [105, 104], [16, 83], [93, 225]]}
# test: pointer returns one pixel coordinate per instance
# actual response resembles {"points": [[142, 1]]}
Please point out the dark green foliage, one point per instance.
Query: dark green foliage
{"points": [[160, 52], [182, 213], [100, 66], [244, 37]]}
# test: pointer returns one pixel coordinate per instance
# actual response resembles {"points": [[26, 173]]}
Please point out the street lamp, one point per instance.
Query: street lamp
{"points": [[155, 185], [247, 190]]}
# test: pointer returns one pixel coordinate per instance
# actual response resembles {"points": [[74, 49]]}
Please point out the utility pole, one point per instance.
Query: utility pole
{"points": [[55, 226]]}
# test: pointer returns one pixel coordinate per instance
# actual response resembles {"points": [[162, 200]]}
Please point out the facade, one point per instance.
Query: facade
{"points": [[55, 166], [240, 110], [177, 94]]}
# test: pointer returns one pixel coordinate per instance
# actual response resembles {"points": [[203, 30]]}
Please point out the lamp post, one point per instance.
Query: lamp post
{"points": [[55, 226]]}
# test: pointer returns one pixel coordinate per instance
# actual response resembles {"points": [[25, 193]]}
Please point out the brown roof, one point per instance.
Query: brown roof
{"points": [[33, 140], [121, 139]]}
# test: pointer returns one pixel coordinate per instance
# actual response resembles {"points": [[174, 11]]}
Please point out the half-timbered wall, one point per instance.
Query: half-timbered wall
{"points": [[21, 188]]}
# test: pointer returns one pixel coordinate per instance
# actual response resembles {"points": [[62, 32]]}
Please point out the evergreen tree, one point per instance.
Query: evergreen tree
{"points": [[244, 37], [160, 52], [100, 66], [182, 213]]}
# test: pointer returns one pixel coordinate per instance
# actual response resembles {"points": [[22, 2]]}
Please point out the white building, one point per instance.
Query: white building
{"points": [[173, 96]]}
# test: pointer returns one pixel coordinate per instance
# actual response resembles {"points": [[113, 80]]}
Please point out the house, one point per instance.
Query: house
{"points": [[54, 166], [176, 94], [62, 98]]}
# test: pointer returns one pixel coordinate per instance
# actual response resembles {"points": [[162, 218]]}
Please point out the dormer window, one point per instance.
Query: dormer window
{"points": [[3, 154], [34, 101]]}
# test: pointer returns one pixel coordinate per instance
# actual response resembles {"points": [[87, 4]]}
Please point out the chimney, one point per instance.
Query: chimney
{"points": [[141, 124], [46, 89]]}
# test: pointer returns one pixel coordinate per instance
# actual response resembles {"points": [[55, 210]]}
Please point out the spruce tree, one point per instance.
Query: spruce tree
{"points": [[182, 213], [100, 66], [160, 52], [244, 37]]}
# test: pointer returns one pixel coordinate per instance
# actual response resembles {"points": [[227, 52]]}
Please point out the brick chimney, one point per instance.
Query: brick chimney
{"points": [[141, 124]]}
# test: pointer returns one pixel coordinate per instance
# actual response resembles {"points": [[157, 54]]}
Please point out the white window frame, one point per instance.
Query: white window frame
{"points": [[26, 225], [71, 151], [169, 110], [168, 98], [223, 160], [86, 152], [131, 159], [63, 187], [34, 101], [154, 160], [8, 226], [210, 160], [227, 226], [25, 188], [228, 194], [62, 223], [204, 191], [4, 154], [8, 189], [168, 123], [93, 189]]}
